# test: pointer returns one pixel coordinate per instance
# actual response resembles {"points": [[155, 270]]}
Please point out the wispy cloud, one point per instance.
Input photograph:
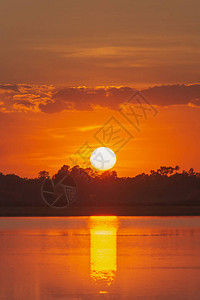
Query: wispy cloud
{"points": [[88, 128]]}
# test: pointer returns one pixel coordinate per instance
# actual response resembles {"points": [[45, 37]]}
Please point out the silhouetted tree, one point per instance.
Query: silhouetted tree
{"points": [[43, 174]]}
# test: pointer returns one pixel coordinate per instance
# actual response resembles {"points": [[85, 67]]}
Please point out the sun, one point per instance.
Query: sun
{"points": [[103, 158]]}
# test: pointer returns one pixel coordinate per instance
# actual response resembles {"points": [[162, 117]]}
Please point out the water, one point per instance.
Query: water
{"points": [[100, 258]]}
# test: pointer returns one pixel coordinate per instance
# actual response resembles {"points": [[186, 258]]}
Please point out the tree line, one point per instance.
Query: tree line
{"points": [[164, 186]]}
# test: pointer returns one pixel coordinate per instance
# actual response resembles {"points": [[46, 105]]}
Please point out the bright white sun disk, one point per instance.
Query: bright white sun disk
{"points": [[103, 158]]}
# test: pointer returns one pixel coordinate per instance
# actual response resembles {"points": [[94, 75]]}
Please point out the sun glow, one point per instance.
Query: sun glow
{"points": [[103, 158]]}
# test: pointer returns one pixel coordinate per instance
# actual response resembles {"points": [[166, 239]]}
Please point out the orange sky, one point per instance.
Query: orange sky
{"points": [[48, 47], [31, 142]]}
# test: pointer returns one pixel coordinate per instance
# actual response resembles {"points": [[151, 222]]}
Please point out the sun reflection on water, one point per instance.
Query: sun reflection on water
{"points": [[103, 249]]}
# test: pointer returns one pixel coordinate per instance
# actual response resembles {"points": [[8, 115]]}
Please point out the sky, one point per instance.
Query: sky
{"points": [[68, 66]]}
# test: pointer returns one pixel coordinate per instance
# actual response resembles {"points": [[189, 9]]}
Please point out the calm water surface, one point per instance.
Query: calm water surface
{"points": [[100, 258]]}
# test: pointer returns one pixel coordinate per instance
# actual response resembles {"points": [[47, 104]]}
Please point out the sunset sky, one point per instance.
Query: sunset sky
{"points": [[68, 66]]}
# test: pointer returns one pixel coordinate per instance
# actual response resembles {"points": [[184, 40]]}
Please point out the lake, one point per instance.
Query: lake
{"points": [[100, 258]]}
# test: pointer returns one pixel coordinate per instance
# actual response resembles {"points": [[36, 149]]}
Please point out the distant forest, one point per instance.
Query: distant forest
{"points": [[166, 186]]}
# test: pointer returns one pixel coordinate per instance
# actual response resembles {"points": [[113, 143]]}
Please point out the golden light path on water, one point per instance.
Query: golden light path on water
{"points": [[103, 250]]}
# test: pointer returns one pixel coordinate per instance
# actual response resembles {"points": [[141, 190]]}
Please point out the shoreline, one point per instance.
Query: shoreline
{"points": [[136, 210]]}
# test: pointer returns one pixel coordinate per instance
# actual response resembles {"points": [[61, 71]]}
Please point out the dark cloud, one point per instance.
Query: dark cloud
{"points": [[173, 94], [9, 87], [86, 99], [49, 99]]}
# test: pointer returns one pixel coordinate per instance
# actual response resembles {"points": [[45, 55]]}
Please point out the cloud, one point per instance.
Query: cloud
{"points": [[113, 97], [87, 99], [9, 87], [49, 99], [173, 94], [23, 97]]}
